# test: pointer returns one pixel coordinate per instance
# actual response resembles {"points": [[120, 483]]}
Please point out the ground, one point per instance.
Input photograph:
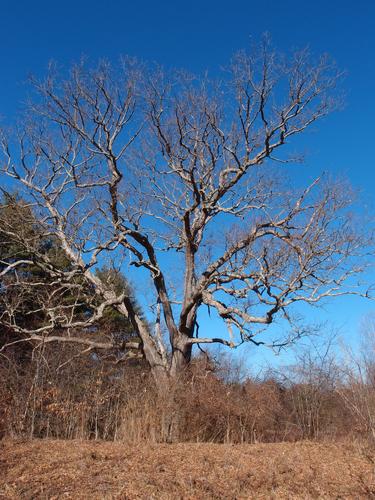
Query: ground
{"points": [[50, 469]]}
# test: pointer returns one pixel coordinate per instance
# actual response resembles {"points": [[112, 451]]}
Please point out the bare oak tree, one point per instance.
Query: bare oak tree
{"points": [[181, 179]]}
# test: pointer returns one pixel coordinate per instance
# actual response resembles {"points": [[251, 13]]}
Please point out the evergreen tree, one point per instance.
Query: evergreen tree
{"points": [[22, 238]]}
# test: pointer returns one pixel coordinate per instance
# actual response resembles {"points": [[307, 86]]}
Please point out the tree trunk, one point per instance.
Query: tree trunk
{"points": [[170, 386], [181, 358]]}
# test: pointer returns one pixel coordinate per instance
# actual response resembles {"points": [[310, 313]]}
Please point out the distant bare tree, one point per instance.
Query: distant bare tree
{"points": [[180, 177]]}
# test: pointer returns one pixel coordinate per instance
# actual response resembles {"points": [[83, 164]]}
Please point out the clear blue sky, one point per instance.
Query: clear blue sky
{"points": [[203, 34]]}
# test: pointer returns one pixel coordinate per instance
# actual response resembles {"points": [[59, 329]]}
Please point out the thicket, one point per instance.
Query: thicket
{"points": [[49, 392]]}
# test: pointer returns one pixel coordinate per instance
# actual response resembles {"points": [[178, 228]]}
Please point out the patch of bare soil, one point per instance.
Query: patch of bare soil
{"points": [[46, 469]]}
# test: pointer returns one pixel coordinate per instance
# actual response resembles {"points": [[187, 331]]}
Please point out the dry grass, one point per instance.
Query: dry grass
{"points": [[52, 469]]}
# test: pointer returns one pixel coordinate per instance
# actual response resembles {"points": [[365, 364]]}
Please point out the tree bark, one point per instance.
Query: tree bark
{"points": [[170, 384]]}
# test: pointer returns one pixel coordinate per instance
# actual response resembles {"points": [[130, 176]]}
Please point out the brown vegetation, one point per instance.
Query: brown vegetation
{"points": [[97, 470], [52, 394], [303, 432]]}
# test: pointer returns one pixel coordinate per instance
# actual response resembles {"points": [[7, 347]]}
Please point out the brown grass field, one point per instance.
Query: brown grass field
{"points": [[52, 469]]}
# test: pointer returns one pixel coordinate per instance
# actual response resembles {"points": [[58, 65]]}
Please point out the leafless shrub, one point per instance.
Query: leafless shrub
{"points": [[358, 388], [215, 401]]}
